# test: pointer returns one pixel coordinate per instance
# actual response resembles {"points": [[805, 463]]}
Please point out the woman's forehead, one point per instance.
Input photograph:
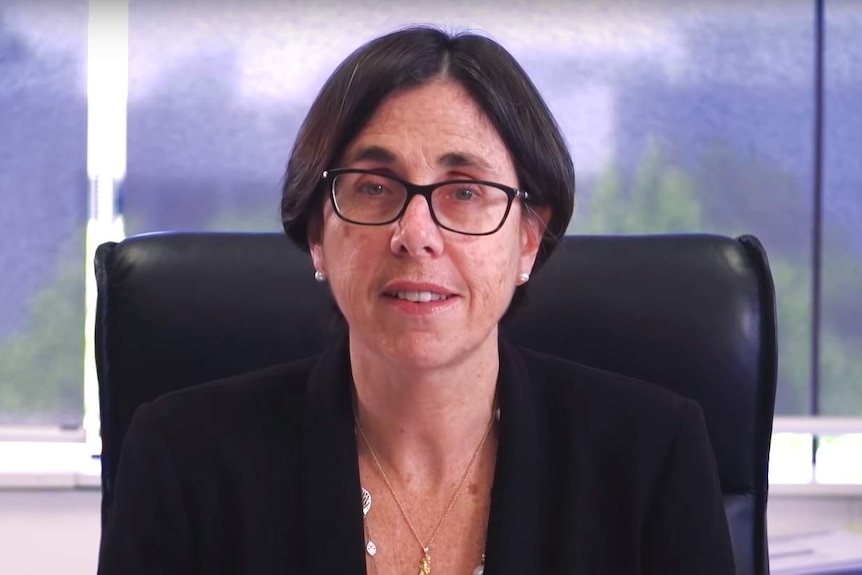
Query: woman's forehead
{"points": [[438, 123], [381, 155]]}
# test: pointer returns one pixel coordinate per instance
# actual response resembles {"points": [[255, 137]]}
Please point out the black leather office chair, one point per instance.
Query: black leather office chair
{"points": [[694, 313]]}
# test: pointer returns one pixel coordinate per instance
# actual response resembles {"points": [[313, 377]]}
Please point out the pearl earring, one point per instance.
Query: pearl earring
{"points": [[319, 276], [524, 277]]}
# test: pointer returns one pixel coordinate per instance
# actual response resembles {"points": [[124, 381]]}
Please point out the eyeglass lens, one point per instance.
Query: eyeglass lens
{"points": [[462, 206]]}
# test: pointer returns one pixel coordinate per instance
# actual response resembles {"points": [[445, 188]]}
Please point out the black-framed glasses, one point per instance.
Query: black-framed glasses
{"points": [[370, 198]]}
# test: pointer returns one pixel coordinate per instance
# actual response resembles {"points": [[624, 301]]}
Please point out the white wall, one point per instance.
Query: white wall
{"points": [[790, 515], [57, 532], [49, 532]]}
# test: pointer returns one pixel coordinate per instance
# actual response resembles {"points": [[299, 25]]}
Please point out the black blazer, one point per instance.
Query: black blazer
{"points": [[596, 473]]}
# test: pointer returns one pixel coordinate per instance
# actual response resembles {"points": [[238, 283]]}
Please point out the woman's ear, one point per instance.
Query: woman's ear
{"points": [[315, 248], [317, 257], [533, 226]]}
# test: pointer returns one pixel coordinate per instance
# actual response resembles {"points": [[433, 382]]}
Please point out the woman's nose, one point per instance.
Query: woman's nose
{"points": [[416, 233]]}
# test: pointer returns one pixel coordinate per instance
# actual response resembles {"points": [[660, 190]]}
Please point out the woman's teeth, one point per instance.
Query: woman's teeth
{"points": [[420, 296]]}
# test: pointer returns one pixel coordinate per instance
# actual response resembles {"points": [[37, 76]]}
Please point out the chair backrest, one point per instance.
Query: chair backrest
{"points": [[693, 313]]}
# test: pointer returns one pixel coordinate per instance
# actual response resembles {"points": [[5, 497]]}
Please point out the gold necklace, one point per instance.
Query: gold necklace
{"points": [[425, 562]]}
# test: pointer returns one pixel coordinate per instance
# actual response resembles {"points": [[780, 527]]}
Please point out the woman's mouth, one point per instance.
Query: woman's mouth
{"points": [[419, 296]]}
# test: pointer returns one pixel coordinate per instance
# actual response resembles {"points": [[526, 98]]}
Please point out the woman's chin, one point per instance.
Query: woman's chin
{"points": [[420, 349], [425, 350]]}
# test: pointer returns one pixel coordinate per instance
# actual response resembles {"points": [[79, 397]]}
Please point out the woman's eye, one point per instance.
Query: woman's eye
{"points": [[464, 194], [372, 189]]}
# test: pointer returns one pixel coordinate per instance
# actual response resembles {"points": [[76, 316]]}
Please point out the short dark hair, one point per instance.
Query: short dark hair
{"points": [[414, 56]]}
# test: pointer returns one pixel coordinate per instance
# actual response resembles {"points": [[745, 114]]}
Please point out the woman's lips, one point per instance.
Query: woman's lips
{"points": [[414, 296], [420, 296]]}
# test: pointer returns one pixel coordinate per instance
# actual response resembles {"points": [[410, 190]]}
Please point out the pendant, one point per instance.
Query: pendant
{"points": [[480, 568], [425, 563], [366, 502], [370, 547]]}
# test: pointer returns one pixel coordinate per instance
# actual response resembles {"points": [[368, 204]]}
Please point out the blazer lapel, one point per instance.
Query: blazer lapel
{"points": [[513, 522], [331, 501]]}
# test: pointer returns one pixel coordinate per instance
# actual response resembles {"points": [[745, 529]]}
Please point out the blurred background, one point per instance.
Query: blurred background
{"points": [[706, 116]]}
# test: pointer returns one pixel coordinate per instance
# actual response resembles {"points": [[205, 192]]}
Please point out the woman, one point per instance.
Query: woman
{"points": [[428, 182]]}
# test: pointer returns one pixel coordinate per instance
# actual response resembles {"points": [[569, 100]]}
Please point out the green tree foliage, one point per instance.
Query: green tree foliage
{"points": [[793, 308], [660, 198], [42, 365], [841, 374], [841, 340]]}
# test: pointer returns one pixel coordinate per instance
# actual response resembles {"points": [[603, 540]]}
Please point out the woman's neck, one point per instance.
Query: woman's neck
{"points": [[425, 423]]}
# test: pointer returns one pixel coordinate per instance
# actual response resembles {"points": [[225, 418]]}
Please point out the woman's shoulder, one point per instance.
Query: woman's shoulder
{"points": [[622, 428], [259, 384], [235, 405], [600, 403], [563, 377]]}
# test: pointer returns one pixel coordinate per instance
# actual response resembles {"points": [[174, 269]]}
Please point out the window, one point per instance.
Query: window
{"points": [[840, 377], [661, 125], [681, 117], [43, 211], [701, 119]]}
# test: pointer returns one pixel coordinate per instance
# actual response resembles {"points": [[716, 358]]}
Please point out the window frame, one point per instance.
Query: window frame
{"points": [[107, 94]]}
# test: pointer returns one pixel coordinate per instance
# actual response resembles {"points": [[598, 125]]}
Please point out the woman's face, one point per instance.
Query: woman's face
{"points": [[427, 134]]}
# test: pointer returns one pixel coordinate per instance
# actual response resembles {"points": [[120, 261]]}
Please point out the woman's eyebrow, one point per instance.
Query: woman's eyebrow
{"points": [[462, 160], [379, 154], [372, 153]]}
